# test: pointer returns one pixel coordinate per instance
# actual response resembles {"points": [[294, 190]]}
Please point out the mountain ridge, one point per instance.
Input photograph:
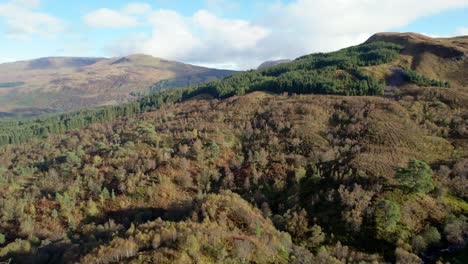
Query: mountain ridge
{"points": [[55, 84]]}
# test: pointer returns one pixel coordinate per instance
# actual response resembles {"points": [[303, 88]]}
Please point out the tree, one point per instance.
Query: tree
{"points": [[404, 257], [431, 235], [55, 214], [387, 216], [356, 203], [417, 177], [91, 208], [105, 195], [316, 237], [26, 226], [456, 230], [298, 224], [212, 149]]}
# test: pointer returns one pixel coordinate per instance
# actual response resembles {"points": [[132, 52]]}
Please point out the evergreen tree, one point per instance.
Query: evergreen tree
{"points": [[417, 177]]}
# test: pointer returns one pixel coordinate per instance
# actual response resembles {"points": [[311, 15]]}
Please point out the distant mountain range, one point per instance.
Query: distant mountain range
{"points": [[56, 84]]}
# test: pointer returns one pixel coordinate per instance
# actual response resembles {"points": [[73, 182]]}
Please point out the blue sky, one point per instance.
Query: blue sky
{"points": [[219, 33]]}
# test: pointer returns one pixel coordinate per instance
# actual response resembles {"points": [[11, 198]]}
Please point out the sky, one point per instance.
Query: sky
{"points": [[227, 34]]}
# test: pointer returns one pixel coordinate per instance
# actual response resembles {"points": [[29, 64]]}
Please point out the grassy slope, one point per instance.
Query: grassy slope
{"points": [[436, 58]]}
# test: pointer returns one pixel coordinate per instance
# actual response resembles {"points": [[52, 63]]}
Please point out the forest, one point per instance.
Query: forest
{"points": [[258, 178]]}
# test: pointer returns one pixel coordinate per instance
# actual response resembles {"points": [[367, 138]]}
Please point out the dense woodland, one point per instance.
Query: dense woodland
{"points": [[287, 164], [257, 178]]}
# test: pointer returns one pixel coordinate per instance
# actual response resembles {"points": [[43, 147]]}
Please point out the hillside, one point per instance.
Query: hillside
{"points": [[272, 63], [152, 188], [60, 84], [436, 58], [326, 159]]}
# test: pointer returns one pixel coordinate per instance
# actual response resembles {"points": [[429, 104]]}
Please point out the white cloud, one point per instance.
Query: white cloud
{"points": [[127, 17], [107, 18], [324, 25], [236, 34], [203, 38], [462, 31], [137, 8], [23, 22], [171, 37], [282, 31]]}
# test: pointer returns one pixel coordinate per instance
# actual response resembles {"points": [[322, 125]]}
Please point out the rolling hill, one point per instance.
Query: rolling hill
{"points": [[355, 156], [58, 84]]}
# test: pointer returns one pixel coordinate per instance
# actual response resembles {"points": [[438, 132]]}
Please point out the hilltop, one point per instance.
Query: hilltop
{"points": [[57, 84], [436, 58], [272, 63]]}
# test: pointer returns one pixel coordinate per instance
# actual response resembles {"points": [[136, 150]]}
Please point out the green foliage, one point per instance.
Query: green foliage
{"points": [[332, 73], [431, 235], [387, 217], [22, 129], [213, 149], [190, 80], [105, 195], [416, 78], [91, 208], [417, 177], [2, 239]]}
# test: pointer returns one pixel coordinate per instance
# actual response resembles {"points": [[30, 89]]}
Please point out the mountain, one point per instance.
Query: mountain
{"points": [[59, 84], [436, 58], [326, 159], [272, 63]]}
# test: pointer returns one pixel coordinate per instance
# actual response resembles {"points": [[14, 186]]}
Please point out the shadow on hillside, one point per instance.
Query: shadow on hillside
{"points": [[174, 213], [69, 250], [59, 252]]}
